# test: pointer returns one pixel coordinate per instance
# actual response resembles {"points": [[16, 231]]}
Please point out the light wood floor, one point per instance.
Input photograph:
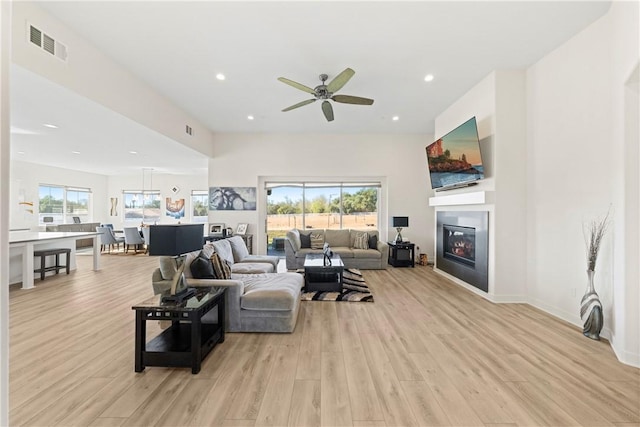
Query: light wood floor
{"points": [[425, 353]]}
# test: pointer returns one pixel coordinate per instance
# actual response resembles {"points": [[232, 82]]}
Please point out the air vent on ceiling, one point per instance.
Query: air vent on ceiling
{"points": [[47, 43]]}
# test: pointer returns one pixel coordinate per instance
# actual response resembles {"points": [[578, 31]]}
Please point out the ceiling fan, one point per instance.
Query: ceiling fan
{"points": [[326, 92]]}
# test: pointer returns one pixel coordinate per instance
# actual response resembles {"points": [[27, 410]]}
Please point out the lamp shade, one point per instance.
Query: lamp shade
{"points": [[400, 221], [175, 239]]}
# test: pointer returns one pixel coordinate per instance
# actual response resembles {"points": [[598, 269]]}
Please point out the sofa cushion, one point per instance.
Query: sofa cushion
{"points": [[167, 267], [373, 241], [305, 241], [238, 248], [202, 268], [220, 266], [252, 268], [366, 253], [343, 252], [337, 237], [223, 248], [361, 241], [271, 292], [293, 236], [317, 240]]}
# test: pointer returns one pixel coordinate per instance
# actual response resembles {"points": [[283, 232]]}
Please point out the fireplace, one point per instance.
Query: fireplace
{"points": [[462, 246]]}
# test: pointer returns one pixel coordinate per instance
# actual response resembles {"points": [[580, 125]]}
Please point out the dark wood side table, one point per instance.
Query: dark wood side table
{"points": [[402, 254], [188, 341]]}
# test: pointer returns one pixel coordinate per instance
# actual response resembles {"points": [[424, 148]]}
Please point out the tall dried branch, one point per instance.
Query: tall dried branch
{"points": [[594, 232]]}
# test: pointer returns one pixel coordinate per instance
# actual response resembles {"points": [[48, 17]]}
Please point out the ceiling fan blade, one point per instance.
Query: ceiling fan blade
{"points": [[348, 99], [299, 104], [327, 109], [297, 85], [340, 80]]}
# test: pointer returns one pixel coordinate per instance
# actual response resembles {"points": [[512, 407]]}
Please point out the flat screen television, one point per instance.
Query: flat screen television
{"points": [[454, 159]]}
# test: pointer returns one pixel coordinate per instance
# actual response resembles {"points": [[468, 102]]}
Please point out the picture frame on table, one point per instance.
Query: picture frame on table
{"points": [[216, 230], [242, 229]]}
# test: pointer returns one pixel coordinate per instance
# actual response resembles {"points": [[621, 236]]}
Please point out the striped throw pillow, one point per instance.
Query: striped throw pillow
{"points": [[220, 267], [361, 241], [317, 241]]}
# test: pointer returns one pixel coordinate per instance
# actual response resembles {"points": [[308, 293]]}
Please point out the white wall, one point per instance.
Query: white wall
{"points": [[578, 157], [498, 104], [5, 61], [159, 182], [577, 149], [25, 179], [95, 76], [241, 159]]}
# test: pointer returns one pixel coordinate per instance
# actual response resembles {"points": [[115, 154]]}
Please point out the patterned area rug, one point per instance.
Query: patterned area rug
{"points": [[354, 289]]}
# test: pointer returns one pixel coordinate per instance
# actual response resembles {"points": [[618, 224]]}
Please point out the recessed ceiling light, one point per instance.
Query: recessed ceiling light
{"points": [[220, 76], [428, 77], [49, 125], [75, 152], [249, 117], [133, 152], [395, 118]]}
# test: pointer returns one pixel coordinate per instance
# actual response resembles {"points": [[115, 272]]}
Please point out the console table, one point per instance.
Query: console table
{"points": [[401, 254], [188, 341]]}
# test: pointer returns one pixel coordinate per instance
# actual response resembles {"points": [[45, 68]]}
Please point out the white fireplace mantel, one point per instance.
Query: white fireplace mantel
{"points": [[473, 198]]}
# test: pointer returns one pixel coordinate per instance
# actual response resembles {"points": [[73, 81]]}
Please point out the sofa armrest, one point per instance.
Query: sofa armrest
{"points": [[384, 250]]}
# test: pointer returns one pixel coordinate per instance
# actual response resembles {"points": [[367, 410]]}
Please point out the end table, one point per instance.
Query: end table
{"points": [[188, 341], [401, 254]]}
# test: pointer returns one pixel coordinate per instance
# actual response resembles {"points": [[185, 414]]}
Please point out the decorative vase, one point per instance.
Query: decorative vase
{"points": [[591, 310]]}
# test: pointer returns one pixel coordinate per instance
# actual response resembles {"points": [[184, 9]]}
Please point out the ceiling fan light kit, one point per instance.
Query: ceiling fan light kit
{"points": [[325, 92]]}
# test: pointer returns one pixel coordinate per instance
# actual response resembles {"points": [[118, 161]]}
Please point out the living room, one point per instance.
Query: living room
{"points": [[543, 129]]}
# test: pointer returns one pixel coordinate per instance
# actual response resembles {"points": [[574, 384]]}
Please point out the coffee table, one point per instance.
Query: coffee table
{"points": [[318, 277]]}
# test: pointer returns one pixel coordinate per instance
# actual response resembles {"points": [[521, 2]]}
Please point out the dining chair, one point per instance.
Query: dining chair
{"points": [[108, 239], [132, 237]]}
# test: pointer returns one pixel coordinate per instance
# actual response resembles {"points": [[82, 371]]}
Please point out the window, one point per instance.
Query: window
{"points": [[59, 204], [334, 205], [141, 206], [199, 206], [77, 205]]}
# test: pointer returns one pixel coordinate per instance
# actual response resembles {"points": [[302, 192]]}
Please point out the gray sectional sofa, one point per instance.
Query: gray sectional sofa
{"points": [[342, 242], [257, 298]]}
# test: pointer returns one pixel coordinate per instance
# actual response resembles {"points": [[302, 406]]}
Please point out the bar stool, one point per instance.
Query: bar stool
{"points": [[44, 253]]}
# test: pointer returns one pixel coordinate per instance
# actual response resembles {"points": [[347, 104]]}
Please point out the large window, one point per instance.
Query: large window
{"points": [[199, 206], [60, 204], [321, 205], [141, 206]]}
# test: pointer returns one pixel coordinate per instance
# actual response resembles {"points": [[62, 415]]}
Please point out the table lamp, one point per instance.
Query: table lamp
{"points": [[175, 240], [399, 222]]}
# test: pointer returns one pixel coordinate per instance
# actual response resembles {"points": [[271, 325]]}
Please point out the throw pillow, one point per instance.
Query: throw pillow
{"points": [[361, 241], [201, 267], [373, 242], [317, 240], [220, 267], [305, 241]]}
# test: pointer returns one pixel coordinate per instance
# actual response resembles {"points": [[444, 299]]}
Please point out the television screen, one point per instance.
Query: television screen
{"points": [[455, 159]]}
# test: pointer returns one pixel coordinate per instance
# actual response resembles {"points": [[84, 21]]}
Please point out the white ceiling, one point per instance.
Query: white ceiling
{"points": [[178, 48]]}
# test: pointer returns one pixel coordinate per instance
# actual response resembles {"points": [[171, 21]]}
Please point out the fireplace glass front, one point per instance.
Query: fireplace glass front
{"points": [[459, 244]]}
